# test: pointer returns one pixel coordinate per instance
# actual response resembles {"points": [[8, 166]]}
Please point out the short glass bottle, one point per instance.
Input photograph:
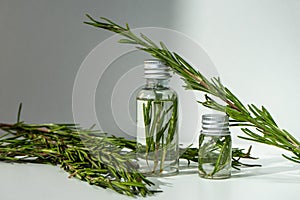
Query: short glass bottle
{"points": [[215, 151], [157, 122]]}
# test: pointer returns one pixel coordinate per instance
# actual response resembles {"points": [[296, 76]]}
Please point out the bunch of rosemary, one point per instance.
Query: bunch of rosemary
{"points": [[250, 117], [86, 154]]}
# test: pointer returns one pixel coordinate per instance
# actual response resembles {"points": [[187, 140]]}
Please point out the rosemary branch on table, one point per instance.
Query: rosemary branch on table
{"points": [[257, 123], [86, 154]]}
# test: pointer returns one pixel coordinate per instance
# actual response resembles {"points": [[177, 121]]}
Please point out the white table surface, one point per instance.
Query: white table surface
{"points": [[277, 179]]}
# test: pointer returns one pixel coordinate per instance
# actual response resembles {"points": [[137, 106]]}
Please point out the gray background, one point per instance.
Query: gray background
{"points": [[254, 44]]}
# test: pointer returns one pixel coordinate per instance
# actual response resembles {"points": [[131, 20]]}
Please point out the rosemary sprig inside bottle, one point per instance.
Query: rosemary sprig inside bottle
{"points": [[160, 121], [265, 128]]}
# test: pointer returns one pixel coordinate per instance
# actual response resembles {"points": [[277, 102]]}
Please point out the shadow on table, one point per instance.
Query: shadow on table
{"points": [[285, 171]]}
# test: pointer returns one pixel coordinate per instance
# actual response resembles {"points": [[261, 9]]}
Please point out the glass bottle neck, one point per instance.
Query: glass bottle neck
{"points": [[157, 83]]}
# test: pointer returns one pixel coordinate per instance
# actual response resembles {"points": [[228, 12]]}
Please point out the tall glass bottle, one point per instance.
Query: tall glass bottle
{"points": [[215, 147], [157, 122]]}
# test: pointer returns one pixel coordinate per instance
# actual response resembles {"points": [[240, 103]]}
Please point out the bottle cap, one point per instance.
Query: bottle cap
{"points": [[156, 69], [215, 124]]}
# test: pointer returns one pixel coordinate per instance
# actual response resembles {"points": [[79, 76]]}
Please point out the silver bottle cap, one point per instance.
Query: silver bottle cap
{"points": [[156, 69], [215, 124]]}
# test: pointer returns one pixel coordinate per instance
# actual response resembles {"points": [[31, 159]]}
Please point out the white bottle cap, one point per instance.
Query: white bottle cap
{"points": [[156, 69], [215, 124]]}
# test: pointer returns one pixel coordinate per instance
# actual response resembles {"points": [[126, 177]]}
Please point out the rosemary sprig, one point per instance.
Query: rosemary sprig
{"points": [[224, 157], [250, 116], [85, 154], [160, 120], [31, 150]]}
